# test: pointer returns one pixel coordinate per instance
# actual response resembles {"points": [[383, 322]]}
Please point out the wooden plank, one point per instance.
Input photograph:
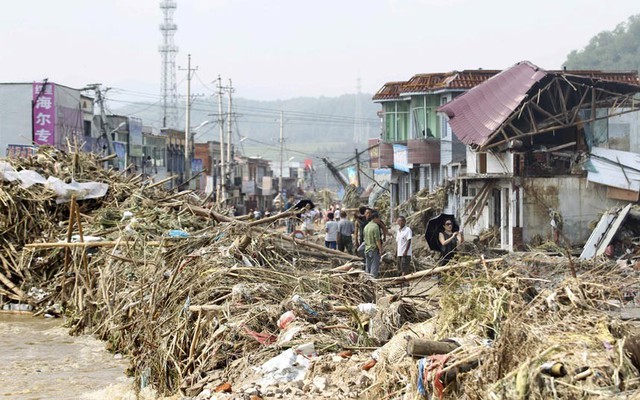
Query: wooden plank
{"points": [[615, 225], [622, 194]]}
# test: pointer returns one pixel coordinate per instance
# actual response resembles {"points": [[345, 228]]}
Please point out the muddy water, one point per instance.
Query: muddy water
{"points": [[39, 360]]}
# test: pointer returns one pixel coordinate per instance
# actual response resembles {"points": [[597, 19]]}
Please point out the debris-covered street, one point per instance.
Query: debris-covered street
{"points": [[209, 306], [379, 200]]}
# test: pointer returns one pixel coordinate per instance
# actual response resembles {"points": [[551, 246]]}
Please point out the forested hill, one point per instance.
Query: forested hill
{"points": [[618, 49]]}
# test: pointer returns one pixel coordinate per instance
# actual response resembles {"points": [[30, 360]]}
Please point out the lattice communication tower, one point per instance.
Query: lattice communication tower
{"points": [[168, 51]]}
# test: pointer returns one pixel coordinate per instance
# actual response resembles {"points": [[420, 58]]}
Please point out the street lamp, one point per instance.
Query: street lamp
{"points": [[117, 128]]}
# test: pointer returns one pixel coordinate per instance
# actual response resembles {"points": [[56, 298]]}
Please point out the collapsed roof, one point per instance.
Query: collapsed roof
{"points": [[525, 100], [433, 82]]}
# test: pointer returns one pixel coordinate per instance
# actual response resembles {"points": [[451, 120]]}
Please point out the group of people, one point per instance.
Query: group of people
{"points": [[366, 233]]}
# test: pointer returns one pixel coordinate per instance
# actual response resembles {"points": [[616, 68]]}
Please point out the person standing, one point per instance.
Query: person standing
{"points": [[449, 240], [373, 245], [361, 222], [345, 232], [308, 217], [403, 239], [331, 232]]}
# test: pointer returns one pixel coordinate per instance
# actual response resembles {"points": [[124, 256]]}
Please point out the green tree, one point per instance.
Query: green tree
{"points": [[618, 49]]}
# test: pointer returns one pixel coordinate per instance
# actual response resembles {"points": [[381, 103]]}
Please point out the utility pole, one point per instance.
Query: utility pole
{"points": [[221, 195], [280, 188], [358, 169], [229, 132], [187, 127]]}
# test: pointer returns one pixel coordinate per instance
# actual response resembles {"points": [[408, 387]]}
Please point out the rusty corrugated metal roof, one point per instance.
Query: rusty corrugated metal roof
{"points": [[478, 113]]}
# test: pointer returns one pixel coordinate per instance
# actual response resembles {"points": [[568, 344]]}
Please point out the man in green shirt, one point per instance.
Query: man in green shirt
{"points": [[373, 245]]}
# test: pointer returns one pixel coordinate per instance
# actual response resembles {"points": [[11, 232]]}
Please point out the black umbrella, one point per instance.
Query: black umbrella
{"points": [[435, 226], [303, 203]]}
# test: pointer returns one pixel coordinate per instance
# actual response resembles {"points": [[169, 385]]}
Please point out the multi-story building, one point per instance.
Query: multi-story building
{"points": [[547, 152], [415, 142], [257, 183]]}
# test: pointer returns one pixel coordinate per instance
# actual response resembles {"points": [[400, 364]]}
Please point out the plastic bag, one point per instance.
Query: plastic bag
{"points": [[285, 319]]}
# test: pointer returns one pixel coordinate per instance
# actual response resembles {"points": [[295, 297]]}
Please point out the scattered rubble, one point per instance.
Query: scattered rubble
{"points": [[229, 309]]}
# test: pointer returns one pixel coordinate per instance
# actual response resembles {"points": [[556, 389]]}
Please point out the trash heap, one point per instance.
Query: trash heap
{"points": [[214, 307]]}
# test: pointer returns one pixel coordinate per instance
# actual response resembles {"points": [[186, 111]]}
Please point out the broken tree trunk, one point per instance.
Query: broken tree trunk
{"points": [[422, 348]]}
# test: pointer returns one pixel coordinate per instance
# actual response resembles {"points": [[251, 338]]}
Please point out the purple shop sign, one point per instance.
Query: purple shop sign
{"points": [[44, 114]]}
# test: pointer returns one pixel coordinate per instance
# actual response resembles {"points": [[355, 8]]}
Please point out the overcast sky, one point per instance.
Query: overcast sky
{"points": [[288, 48]]}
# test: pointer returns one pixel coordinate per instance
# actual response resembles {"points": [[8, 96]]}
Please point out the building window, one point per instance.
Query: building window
{"points": [[87, 128], [420, 118], [445, 129], [396, 125]]}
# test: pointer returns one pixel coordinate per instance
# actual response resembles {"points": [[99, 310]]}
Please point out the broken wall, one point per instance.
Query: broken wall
{"points": [[624, 132], [578, 202]]}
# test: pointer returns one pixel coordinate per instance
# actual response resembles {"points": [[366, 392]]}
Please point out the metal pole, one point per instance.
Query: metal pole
{"points": [[187, 163]]}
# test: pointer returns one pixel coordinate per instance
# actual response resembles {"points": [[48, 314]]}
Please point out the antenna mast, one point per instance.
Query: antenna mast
{"points": [[168, 51]]}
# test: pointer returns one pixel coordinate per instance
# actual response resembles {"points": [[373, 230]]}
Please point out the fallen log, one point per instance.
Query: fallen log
{"points": [[436, 270], [423, 348]]}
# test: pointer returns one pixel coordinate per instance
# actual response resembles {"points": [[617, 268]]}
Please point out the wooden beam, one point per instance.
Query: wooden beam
{"points": [[563, 101], [579, 106], [548, 114]]}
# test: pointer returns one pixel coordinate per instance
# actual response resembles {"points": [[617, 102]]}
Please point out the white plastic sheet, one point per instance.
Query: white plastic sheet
{"points": [[289, 366], [64, 191]]}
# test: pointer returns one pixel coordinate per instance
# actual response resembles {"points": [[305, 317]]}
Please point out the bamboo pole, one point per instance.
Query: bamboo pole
{"points": [[272, 218], [160, 182], [106, 243], [12, 287], [436, 270]]}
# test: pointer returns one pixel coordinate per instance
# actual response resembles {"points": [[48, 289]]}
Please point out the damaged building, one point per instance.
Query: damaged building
{"points": [[547, 152]]}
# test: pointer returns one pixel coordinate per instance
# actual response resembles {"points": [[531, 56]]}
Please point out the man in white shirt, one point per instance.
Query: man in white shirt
{"points": [[403, 239], [331, 232]]}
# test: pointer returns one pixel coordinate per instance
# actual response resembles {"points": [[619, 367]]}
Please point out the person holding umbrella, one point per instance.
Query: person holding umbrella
{"points": [[449, 240]]}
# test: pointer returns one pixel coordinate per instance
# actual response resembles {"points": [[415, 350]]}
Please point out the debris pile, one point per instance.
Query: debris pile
{"points": [[214, 307]]}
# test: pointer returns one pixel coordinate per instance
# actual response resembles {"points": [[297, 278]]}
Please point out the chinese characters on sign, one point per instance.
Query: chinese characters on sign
{"points": [[44, 114]]}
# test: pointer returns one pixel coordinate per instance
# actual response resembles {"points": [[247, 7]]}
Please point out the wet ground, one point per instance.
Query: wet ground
{"points": [[39, 360]]}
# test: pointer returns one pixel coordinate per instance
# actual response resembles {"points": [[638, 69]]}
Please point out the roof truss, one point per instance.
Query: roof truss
{"points": [[557, 103]]}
